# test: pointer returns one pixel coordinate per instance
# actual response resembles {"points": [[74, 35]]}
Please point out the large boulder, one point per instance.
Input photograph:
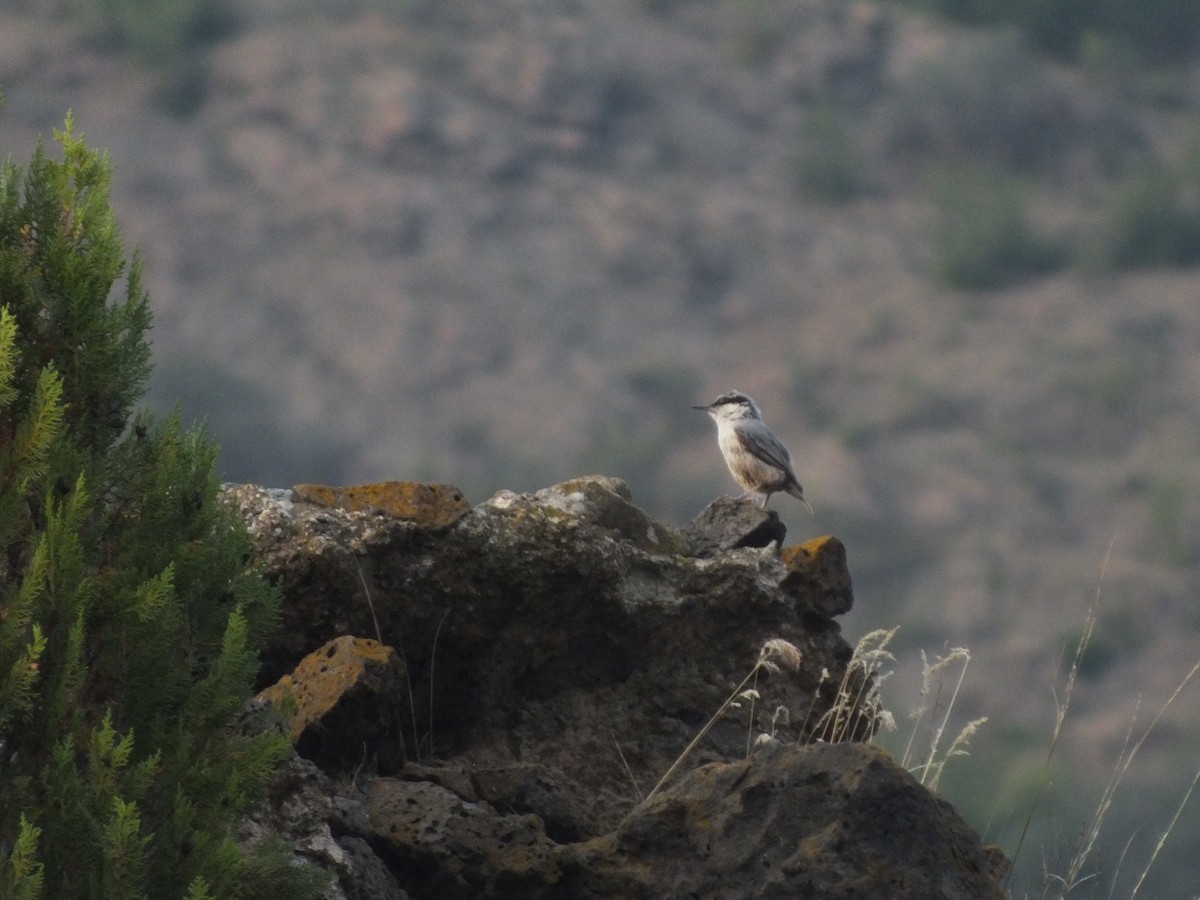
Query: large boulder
{"points": [[824, 821], [566, 628], [555, 654]]}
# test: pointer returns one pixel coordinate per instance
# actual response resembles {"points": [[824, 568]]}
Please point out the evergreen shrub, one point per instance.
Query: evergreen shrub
{"points": [[128, 616]]}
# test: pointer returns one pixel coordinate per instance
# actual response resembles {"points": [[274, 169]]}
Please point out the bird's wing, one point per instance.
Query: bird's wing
{"points": [[763, 444]]}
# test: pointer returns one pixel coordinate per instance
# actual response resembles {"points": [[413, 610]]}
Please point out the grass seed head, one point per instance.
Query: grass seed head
{"points": [[783, 653]]}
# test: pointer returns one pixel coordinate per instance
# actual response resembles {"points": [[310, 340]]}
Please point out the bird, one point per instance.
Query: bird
{"points": [[757, 459]]}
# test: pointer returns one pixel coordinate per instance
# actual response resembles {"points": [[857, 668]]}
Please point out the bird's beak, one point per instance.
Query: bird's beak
{"points": [[704, 408]]}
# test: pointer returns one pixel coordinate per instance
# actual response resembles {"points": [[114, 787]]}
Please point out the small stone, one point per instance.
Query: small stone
{"points": [[728, 523], [997, 861]]}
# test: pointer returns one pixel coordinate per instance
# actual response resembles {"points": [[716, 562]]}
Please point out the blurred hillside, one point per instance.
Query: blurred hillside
{"points": [[501, 244]]}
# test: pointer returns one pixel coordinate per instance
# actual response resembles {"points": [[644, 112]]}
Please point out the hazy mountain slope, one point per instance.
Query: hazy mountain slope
{"points": [[504, 246]]}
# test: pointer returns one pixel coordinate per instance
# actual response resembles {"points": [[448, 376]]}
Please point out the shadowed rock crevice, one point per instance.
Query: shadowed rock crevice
{"points": [[543, 660]]}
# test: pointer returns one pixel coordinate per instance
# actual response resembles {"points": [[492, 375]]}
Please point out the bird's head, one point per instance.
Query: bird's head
{"points": [[732, 406]]}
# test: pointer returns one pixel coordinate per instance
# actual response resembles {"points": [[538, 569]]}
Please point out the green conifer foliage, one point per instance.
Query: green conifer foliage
{"points": [[128, 617]]}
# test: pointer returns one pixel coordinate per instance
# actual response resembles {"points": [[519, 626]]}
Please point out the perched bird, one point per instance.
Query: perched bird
{"points": [[756, 458]]}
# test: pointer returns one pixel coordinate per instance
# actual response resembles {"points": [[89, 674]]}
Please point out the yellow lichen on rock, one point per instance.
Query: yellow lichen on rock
{"points": [[818, 567], [324, 677], [432, 505]]}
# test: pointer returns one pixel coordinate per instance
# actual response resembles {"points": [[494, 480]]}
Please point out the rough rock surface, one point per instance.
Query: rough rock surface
{"points": [[432, 505], [456, 849], [726, 524], [340, 705], [323, 821], [537, 628], [822, 820], [818, 569], [562, 649]]}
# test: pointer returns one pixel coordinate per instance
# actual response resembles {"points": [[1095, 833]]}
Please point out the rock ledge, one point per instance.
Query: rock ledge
{"points": [[489, 692]]}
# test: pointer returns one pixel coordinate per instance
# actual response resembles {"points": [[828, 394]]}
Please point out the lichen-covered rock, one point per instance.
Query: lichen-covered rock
{"points": [[818, 575], [539, 629], [824, 821], [521, 788], [454, 849], [309, 811], [340, 705], [429, 505], [561, 650], [607, 503]]}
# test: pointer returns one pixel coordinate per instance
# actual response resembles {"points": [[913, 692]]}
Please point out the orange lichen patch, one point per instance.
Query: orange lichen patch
{"points": [[432, 505], [817, 569], [820, 558], [324, 677]]}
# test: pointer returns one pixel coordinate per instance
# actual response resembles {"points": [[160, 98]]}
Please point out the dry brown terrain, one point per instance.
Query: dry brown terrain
{"points": [[505, 245]]}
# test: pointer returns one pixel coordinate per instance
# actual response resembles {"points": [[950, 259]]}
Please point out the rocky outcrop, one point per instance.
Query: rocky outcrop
{"points": [[565, 628], [555, 654]]}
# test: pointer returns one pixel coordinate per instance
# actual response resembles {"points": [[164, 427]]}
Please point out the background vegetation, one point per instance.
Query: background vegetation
{"points": [[128, 621], [948, 249], [1157, 31]]}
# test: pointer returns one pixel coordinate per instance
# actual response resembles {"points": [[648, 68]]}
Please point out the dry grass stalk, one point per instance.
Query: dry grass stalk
{"points": [[775, 654], [957, 748], [1125, 759], [858, 710], [1162, 840], [825, 677], [628, 771], [412, 707], [1090, 834], [1060, 715], [929, 772]]}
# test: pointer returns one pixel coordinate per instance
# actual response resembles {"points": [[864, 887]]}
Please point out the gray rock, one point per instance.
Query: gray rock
{"points": [[607, 503], [530, 788], [450, 848], [728, 523], [303, 809], [821, 821], [561, 650], [539, 629], [372, 879]]}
